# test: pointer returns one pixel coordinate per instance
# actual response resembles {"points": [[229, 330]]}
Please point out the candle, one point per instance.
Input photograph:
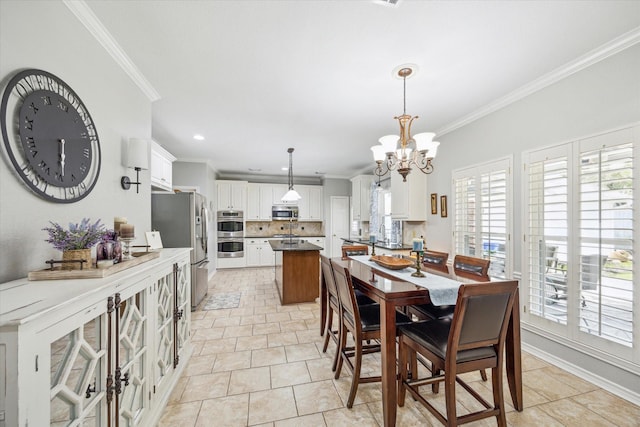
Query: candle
{"points": [[126, 231], [117, 222], [372, 238], [417, 244]]}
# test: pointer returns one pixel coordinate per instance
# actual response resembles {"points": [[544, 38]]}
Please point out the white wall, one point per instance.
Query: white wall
{"points": [[602, 97], [47, 36]]}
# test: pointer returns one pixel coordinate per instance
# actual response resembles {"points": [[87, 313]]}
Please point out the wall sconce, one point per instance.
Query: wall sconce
{"points": [[138, 159]]}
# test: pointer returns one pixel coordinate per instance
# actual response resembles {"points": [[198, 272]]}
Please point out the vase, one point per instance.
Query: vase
{"points": [[74, 255], [109, 250]]}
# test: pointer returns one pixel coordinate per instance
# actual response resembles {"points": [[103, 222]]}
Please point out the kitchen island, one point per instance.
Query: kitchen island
{"points": [[297, 270]]}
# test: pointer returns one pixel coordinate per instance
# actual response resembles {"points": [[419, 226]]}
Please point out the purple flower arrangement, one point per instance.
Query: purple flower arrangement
{"points": [[78, 236]]}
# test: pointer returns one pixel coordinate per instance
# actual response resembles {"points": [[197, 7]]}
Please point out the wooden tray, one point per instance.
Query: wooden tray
{"points": [[92, 273], [392, 263]]}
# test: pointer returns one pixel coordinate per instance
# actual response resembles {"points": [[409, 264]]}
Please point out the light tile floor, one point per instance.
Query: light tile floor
{"points": [[261, 364]]}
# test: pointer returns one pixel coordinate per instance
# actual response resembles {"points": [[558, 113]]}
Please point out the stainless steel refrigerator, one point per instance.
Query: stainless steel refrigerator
{"points": [[182, 220]]}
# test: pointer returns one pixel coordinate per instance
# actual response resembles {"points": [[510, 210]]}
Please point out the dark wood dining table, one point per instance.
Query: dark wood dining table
{"points": [[391, 293]]}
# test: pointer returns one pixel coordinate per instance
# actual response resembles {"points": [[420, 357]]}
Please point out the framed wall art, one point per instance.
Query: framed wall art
{"points": [[434, 203], [443, 206]]}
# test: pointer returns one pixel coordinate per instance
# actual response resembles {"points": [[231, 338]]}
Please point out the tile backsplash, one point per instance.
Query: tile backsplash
{"points": [[269, 228]]}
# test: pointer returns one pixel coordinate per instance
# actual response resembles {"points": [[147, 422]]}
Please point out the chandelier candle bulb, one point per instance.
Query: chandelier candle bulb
{"points": [[126, 231], [417, 244]]}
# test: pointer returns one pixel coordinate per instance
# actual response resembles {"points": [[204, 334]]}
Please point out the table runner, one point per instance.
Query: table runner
{"points": [[442, 290]]}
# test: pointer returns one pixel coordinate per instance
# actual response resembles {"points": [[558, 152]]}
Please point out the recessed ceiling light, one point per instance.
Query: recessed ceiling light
{"points": [[285, 168], [198, 137]]}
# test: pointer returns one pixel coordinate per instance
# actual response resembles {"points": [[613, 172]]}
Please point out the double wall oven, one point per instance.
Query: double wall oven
{"points": [[230, 234]]}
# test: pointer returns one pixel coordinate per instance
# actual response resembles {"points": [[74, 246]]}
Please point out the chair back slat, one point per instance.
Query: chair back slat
{"points": [[352, 250], [471, 267], [346, 294], [435, 260], [327, 276], [481, 315]]}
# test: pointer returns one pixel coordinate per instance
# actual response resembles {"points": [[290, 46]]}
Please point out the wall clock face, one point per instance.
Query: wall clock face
{"points": [[49, 136]]}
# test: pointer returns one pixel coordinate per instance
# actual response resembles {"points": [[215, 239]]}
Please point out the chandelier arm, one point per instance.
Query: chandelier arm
{"points": [[424, 164], [379, 171]]}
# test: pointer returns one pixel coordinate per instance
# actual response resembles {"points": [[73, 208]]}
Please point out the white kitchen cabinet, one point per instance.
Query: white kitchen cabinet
{"points": [[409, 199], [311, 205], [232, 195], [361, 197], [280, 190], [161, 169], [258, 252], [97, 352], [259, 202]]}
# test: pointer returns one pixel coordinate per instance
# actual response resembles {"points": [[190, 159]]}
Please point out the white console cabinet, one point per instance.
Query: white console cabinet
{"points": [[97, 352]]}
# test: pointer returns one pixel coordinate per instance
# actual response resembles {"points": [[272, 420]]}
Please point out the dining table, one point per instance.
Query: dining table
{"points": [[392, 290]]}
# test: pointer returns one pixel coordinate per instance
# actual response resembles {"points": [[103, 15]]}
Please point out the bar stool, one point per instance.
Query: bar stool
{"points": [[473, 338]]}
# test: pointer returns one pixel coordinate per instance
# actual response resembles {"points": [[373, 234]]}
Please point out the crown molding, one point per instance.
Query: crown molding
{"points": [[86, 16], [601, 53]]}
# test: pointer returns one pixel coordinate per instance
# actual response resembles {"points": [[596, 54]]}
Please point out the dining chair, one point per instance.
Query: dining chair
{"points": [[471, 267], [436, 261], [464, 266], [472, 339], [363, 321], [351, 250], [333, 306]]}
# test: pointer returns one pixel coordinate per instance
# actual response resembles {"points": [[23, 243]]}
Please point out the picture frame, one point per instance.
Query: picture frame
{"points": [[434, 203], [443, 206]]}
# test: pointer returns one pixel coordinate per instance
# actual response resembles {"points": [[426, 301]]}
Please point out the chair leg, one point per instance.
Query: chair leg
{"points": [[450, 398], [403, 374], [355, 380], [340, 350], [327, 329], [483, 374], [435, 371], [339, 346], [498, 395]]}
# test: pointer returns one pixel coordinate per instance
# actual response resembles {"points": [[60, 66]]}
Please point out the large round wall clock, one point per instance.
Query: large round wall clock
{"points": [[49, 136]]}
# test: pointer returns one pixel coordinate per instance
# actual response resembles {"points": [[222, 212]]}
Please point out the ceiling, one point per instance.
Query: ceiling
{"points": [[257, 77]]}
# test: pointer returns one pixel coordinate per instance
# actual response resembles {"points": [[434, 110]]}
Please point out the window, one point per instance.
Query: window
{"points": [[482, 224], [580, 239]]}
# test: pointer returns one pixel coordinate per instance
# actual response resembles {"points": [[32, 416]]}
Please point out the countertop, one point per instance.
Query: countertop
{"points": [[390, 246], [301, 246]]}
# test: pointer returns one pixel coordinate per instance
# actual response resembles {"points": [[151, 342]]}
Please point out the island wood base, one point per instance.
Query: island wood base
{"points": [[298, 275]]}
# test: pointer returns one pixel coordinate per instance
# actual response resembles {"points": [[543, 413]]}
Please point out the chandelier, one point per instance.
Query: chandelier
{"points": [[400, 153], [291, 195]]}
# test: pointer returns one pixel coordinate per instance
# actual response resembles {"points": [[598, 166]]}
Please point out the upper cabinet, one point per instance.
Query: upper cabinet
{"points": [[259, 202], [262, 197], [361, 196], [409, 199], [279, 190], [232, 195], [161, 168], [310, 206]]}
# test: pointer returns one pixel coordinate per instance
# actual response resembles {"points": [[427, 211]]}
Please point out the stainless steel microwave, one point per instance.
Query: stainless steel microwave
{"points": [[284, 213]]}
